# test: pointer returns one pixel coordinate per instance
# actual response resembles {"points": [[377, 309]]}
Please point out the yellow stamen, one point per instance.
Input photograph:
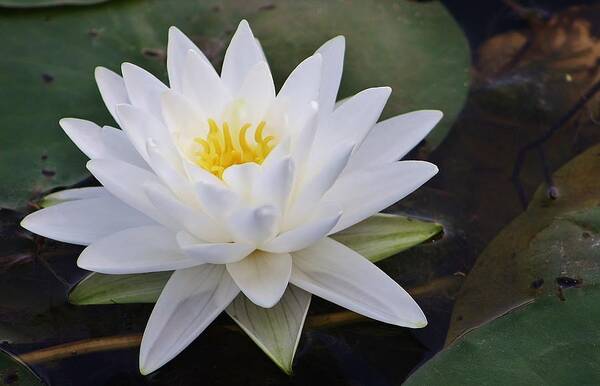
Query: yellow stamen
{"points": [[219, 151]]}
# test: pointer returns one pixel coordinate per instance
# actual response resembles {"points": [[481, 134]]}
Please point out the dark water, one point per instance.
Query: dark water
{"points": [[474, 196]]}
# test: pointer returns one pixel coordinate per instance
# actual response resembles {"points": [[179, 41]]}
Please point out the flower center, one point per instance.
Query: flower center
{"points": [[220, 149]]}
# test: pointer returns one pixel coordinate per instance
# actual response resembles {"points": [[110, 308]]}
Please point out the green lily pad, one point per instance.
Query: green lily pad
{"points": [[553, 240], [397, 233], [549, 342], [45, 3], [49, 74], [14, 372]]}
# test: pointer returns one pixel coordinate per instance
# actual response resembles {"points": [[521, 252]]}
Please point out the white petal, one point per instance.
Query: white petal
{"points": [[97, 142], [242, 54], [190, 301], [139, 126], [83, 221], [144, 89], [302, 85], [85, 134], [301, 88], [117, 146], [333, 66], [262, 276], [274, 183], [136, 250], [314, 229], [197, 174], [336, 273], [257, 91], [112, 89], [323, 177], [352, 121], [367, 191], [177, 49], [216, 199], [181, 117], [241, 178], [214, 253], [203, 87], [189, 218], [126, 182], [170, 172], [303, 140], [391, 139], [253, 225]]}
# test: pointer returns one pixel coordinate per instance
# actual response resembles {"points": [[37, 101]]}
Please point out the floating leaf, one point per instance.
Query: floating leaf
{"points": [[383, 235], [549, 342], [45, 3], [49, 73], [552, 238], [275, 330], [14, 372]]}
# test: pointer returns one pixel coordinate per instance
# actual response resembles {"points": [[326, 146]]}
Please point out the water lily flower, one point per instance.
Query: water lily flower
{"points": [[236, 187]]}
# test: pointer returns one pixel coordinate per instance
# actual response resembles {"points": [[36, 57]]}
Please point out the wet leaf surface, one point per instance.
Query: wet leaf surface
{"points": [[552, 238], [549, 342]]}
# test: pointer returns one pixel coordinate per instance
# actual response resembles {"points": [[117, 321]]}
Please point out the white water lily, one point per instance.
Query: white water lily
{"points": [[235, 187]]}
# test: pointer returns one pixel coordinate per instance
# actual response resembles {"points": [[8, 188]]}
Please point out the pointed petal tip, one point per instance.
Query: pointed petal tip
{"points": [[438, 113], [338, 39], [101, 71], [264, 303], [91, 165], [98, 70], [145, 369], [429, 114], [337, 42], [420, 321], [433, 169], [26, 222], [411, 316], [244, 27], [66, 123], [83, 262], [424, 167]]}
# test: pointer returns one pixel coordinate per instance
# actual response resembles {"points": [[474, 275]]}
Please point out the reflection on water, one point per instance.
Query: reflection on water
{"points": [[520, 89]]}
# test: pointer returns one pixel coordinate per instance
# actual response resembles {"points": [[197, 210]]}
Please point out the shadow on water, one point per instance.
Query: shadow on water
{"points": [[516, 97]]}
